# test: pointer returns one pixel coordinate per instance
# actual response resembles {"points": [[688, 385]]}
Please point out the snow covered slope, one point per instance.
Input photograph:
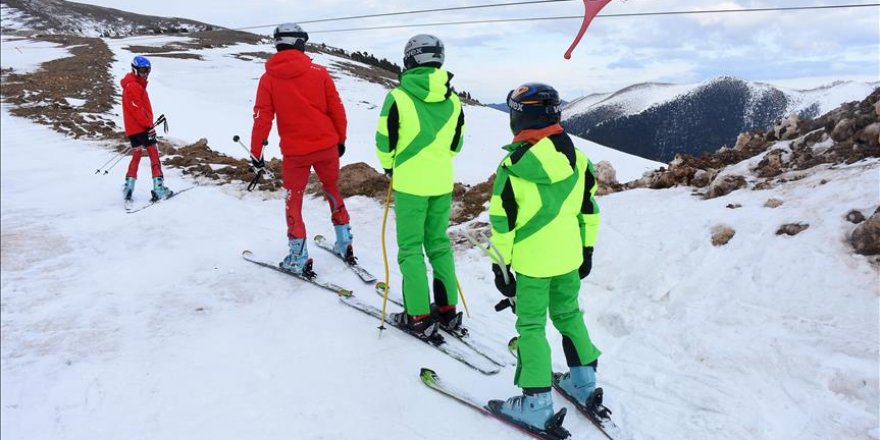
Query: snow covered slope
{"points": [[151, 326]]}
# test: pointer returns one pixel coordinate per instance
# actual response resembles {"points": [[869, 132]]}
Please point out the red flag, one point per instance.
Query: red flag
{"points": [[591, 8]]}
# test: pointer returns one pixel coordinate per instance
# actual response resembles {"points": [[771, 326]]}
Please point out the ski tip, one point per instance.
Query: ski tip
{"points": [[513, 344], [344, 292], [246, 253], [428, 375], [381, 285]]}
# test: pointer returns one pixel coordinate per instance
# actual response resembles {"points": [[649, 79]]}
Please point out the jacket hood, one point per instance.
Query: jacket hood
{"points": [[130, 77], [429, 84], [540, 163], [288, 64]]}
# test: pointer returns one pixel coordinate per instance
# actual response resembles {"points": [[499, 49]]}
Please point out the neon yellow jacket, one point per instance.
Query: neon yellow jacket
{"points": [[543, 211], [420, 131]]}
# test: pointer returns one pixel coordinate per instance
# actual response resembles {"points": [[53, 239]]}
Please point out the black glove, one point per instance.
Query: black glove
{"points": [[587, 264], [151, 137], [341, 149], [508, 290], [388, 171], [258, 164]]}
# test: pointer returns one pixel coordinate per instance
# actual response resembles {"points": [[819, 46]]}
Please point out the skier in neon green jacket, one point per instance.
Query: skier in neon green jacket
{"points": [[544, 222], [419, 133]]}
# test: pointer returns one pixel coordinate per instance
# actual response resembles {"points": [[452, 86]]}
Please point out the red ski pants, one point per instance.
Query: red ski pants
{"points": [[136, 153], [295, 173]]}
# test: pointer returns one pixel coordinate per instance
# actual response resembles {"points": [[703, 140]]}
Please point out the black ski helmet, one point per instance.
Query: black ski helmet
{"points": [[533, 105], [290, 36], [423, 50]]}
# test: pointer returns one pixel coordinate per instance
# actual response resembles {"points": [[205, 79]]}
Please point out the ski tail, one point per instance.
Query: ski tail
{"points": [[594, 410]]}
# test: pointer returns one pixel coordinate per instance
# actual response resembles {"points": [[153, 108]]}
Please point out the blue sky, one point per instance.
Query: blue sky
{"points": [[798, 49]]}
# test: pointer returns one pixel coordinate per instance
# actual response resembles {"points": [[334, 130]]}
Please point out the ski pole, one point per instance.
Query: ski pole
{"points": [[385, 254], [463, 300], [237, 138], [497, 259], [117, 157], [114, 164]]}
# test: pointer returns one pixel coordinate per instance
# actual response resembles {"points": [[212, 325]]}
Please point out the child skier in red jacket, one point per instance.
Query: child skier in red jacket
{"points": [[138, 115]]}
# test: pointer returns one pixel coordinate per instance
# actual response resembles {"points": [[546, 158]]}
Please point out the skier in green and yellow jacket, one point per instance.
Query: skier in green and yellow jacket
{"points": [[419, 134], [544, 223]]}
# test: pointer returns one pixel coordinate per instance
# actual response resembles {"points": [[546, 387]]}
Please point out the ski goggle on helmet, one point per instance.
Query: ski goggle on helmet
{"points": [[290, 35], [534, 98], [141, 65], [532, 106]]}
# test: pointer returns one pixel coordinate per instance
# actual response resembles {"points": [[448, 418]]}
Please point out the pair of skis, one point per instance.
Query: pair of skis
{"points": [[470, 355], [462, 335], [131, 209], [322, 243], [594, 410]]}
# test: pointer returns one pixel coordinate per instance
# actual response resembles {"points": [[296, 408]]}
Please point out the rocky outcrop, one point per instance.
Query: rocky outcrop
{"points": [[845, 135], [865, 238]]}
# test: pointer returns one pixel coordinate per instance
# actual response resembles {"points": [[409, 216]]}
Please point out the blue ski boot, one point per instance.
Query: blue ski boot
{"points": [[298, 260], [160, 191], [534, 410], [343, 243], [579, 383], [128, 188]]}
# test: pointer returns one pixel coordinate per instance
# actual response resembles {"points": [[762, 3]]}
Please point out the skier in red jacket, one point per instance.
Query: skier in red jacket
{"points": [[312, 127], [138, 115]]}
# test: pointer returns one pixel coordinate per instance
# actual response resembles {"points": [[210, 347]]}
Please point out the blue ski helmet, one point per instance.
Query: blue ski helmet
{"points": [[140, 65], [533, 105]]}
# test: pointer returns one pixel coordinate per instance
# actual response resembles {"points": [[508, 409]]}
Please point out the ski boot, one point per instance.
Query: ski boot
{"points": [[421, 326], [532, 411], [160, 191], [343, 243], [448, 319], [579, 383], [128, 188], [298, 261]]}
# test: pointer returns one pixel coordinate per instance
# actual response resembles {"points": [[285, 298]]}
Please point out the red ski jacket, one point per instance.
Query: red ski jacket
{"points": [[136, 109], [310, 114]]}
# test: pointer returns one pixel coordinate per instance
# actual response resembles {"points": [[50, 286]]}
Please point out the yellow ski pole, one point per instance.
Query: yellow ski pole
{"points": [[463, 301], [385, 254]]}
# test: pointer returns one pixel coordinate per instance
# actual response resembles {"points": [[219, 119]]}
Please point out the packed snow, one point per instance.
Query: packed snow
{"points": [[150, 325]]}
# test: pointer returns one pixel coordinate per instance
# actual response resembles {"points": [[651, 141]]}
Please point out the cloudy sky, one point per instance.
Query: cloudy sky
{"points": [[799, 49]]}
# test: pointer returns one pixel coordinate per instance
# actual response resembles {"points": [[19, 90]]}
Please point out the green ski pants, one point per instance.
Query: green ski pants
{"points": [[534, 296], [421, 224]]}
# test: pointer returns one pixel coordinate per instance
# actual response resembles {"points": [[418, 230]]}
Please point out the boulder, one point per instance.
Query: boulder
{"points": [[865, 238], [725, 184], [792, 228], [721, 234]]}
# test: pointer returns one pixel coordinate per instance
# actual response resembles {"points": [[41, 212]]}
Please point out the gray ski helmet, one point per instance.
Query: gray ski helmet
{"points": [[421, 50], [290, 35]]}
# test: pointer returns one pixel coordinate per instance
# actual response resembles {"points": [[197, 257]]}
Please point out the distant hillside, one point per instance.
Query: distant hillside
{"points": [[658, 121], [63, 17]]}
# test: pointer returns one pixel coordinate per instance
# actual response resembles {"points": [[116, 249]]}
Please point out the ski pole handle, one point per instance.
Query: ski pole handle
{"points": [[496, 257], [237, 138], [161, 120]]}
